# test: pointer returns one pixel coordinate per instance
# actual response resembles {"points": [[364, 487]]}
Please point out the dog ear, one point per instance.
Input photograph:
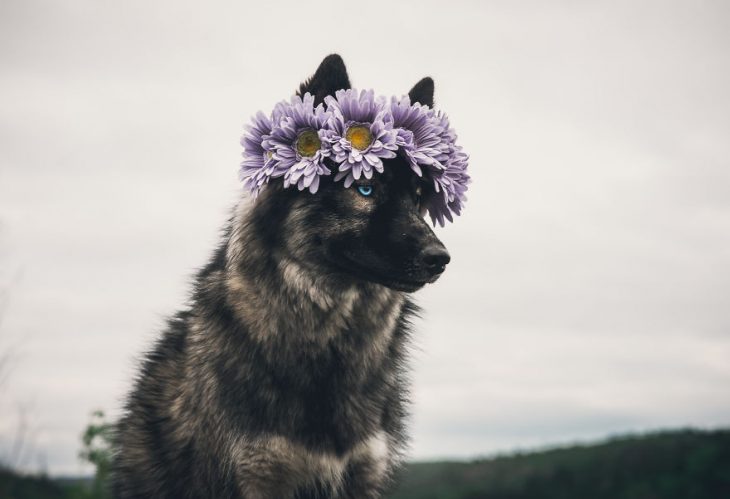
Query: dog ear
{"points": [[422, 92], [331, 75]]}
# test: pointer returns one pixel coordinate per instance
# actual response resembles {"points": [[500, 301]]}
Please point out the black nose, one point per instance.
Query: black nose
{"points": [[434, 258]]}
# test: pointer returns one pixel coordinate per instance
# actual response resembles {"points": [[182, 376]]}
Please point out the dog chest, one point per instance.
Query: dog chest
{"points": [[275, 466]]}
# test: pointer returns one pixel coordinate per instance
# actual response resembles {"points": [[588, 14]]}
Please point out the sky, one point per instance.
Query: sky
{"points": [[589, 289]]}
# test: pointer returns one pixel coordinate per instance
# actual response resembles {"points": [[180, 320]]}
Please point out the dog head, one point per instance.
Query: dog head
{"points": [[372, 231]]}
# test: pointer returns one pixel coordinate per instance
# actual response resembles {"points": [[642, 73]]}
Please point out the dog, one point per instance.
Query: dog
{"points": [[286, 376]]}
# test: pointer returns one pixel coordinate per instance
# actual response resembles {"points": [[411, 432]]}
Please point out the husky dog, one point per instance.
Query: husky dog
{"points": [[284, 377]]}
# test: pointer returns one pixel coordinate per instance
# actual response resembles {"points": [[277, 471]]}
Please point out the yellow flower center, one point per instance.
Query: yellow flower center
{"points": [[359, 136], [308, 143]]}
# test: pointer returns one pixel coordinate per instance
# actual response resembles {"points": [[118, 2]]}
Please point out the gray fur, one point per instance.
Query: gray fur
{"points": [[179, 440], [284, 377]]}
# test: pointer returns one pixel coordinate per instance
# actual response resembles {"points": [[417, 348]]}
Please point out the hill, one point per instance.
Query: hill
{"points": [[685, 464]]}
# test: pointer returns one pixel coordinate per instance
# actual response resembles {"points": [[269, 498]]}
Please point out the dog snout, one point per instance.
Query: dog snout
{"points": [[434, 258]]}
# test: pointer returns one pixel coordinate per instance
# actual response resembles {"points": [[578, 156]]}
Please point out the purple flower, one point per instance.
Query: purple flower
{"points": [[447, 136], [449, 185], [300, 143], [428, 143], [256, 154], [362, 134], [418, 134], [356, 131]]}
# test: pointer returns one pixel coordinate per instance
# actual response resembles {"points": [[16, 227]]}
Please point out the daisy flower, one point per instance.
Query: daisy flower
{"points": [[300, 143], [256, 154], [362, 134]]}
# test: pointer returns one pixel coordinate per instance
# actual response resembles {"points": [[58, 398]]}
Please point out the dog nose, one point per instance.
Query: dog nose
{"points": [[434, 258]]}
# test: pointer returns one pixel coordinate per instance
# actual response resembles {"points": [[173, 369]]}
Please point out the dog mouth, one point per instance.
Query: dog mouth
{"points": [[408, 284]]}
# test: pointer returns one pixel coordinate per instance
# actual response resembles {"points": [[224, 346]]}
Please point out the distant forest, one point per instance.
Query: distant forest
{"points": [[686, 464]]}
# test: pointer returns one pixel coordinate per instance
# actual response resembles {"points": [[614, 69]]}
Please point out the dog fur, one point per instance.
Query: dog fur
{"points": [[285, 377]]}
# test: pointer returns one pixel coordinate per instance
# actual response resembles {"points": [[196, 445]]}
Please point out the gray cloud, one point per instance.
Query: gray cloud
{"points": [[588, 290]]}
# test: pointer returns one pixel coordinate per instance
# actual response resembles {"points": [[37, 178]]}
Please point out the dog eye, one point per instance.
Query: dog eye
{"points": [[365, 190]]}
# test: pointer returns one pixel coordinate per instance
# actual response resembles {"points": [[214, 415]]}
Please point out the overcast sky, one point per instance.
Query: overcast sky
{"points": [[589, 289]]}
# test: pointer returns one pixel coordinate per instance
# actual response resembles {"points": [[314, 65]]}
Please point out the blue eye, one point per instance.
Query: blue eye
{"points": [[365, 190]]}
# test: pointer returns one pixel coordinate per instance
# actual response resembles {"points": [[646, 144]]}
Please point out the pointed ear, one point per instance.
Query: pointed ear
{"points": [[422, 92], [331, 75]]}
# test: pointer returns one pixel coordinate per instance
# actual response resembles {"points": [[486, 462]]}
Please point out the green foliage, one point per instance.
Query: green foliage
{"points": [[14, 486], [681, 464], [17, 486], [97, 450]]}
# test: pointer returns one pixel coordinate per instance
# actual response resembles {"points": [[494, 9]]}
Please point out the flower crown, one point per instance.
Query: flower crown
{"points": [[354, 132]]}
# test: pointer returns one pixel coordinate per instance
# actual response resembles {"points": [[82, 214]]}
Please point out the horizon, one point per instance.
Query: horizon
{"points": [[519, 452]]}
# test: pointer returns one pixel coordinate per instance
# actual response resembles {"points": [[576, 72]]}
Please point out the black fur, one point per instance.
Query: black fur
{"points": [[422, 92], [331, 75], [285, 376]]}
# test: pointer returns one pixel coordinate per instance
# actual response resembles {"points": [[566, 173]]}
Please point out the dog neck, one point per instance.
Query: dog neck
{"points": [[277, 297]]}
